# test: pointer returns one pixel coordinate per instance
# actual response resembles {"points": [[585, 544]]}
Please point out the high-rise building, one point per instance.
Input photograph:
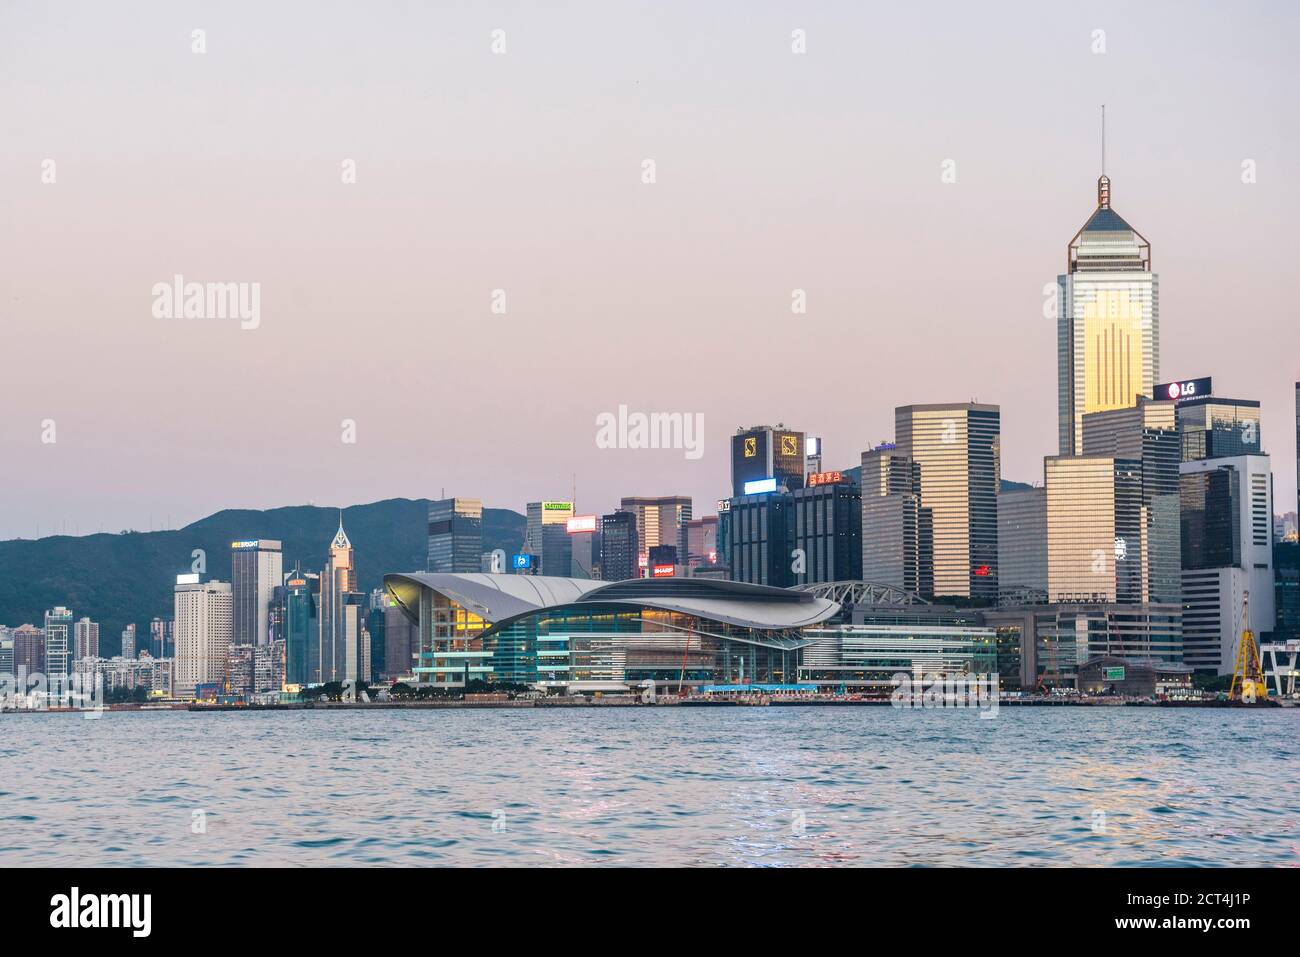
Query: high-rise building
{"points": [[1094, 510], [702, 541], [87, 639], [342, 615], [763, 452], [762, 539], [542, 515], [1227, 551], [162, 641], [59, 641], [256, 569], [128, 649], [376, 626], [659, 521], [827, 530], [6, 652], [455, 535], [302, 627], [724, 535], [957, 447], [896, 530], [29, 649], [555, 558], [1215, 428], [204, 615], [584, 545], [400, 642], [1146, 433], [1108, 321], [619, 547], [1022, 540]]}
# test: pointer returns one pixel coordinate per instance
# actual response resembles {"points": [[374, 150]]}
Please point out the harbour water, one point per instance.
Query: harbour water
{"points": [[653, 786]]}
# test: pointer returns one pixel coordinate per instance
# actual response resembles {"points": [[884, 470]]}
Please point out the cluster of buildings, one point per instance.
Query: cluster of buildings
{"points": [[1134, 554], [65, 645], [1128, 564], [266, 632]]}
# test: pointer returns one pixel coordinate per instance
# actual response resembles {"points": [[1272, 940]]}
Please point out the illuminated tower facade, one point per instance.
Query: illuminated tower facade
{"points": [[1108, 321], [343, 655]]}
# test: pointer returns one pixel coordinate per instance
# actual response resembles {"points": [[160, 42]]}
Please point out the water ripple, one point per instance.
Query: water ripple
{"points": [[666, 786]]}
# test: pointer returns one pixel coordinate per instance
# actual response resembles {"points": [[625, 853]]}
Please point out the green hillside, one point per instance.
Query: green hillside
{"points": [[116, 579]]}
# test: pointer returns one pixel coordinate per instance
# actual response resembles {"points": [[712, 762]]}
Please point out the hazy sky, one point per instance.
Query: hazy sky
{"points": [[522, 171]]}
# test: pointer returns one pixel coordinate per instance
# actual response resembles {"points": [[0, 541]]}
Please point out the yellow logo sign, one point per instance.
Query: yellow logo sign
{"points": [[751, 447], [789, 445]]}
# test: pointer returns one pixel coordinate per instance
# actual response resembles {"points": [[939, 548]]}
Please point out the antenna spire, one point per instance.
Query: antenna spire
{"points": [[1103, 182]]}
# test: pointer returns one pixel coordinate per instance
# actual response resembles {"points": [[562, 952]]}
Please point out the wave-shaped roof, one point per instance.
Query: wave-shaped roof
{"points": [[499, 599]]}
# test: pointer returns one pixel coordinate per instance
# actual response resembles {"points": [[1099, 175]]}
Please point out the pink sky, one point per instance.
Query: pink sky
{"points": [[521, 172]]}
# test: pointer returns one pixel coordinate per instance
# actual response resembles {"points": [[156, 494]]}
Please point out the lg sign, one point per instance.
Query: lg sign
{"points": [[1185, 391]]}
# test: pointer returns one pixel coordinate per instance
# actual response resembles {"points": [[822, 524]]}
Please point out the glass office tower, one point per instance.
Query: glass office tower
{"points": [[1094, 511], [455, 535], [896, 530], [256, 570], [1219, 428], [1108, 321], [1148, 434], [958, 449]]}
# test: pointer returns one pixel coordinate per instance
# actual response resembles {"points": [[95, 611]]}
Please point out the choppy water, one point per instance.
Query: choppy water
{"points": [[653, 786]]}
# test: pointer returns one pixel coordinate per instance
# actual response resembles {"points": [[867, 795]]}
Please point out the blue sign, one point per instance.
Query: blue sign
{"points": [[521, 561], [760, 485]]}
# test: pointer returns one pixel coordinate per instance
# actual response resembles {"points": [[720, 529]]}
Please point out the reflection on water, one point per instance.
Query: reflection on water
{"points": [[653, 786]]}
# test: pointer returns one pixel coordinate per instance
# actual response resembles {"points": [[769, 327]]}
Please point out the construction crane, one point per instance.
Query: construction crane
{"points": [[1248, 676]]}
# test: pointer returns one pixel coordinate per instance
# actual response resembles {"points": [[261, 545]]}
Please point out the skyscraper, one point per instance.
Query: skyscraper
{"points": [[455, 535], [1146, 433], [128, 642], [1022, 540], [540, 516], [302, 627], [1227, 542], [1212, 427], [1094, 510], [762, 539], [342, 615], [1108, 321], [659, 521], [702, 541], [896, 530], [204, 628], [763, 452], [256, 570], [59, 641], [619, 547], [827, 520], [87, 640], [29, 649], [957, 447], [162, 640]]}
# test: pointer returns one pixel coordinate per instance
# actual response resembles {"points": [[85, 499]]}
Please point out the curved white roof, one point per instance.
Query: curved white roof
{"points": [[499, 598]]}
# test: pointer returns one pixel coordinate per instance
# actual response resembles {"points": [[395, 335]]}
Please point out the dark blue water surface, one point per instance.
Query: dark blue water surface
{"points": [[653, 786]]}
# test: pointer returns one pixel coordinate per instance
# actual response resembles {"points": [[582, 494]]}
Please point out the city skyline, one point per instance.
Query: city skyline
{"points": [[856, 215]]}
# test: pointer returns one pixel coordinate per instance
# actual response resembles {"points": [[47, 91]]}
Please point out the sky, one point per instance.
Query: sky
{"points": [[523, 171]]}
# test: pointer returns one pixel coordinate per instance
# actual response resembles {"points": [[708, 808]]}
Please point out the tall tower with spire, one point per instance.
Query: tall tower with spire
{"points": [[1108, 319], [344, 655]]}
